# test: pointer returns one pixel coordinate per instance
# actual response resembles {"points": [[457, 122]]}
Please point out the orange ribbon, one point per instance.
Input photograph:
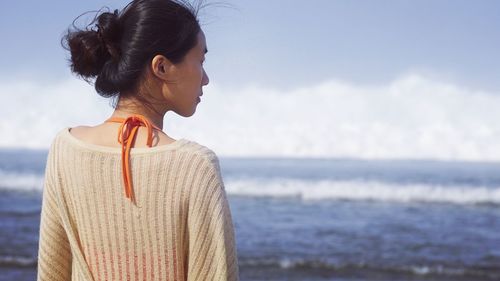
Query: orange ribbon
{"points": [[126, 137]]}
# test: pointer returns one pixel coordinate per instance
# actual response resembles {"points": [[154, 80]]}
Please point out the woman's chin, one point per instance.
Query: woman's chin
{"points": [[187, 113]]}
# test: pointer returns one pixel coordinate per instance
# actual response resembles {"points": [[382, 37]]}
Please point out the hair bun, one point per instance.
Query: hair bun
{"points": [[92, 48]]}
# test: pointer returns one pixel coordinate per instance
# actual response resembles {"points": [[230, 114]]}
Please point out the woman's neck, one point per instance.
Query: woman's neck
{"points": [[153, 117]]}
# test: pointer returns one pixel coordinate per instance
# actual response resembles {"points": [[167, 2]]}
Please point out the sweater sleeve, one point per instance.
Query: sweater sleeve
{"points": [[54, 252], [212, 248]]}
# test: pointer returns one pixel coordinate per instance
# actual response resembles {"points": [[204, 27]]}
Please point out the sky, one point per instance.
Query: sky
{"points": [[363, 79]]}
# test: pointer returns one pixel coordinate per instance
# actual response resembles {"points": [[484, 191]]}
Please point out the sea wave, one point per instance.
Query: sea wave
{"points": [[325, 268], [21, 181], [323, 189], [357, 190], [17, 261]]}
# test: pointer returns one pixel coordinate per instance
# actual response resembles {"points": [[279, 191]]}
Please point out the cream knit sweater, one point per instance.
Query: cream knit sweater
{"points": [[180, 229]]}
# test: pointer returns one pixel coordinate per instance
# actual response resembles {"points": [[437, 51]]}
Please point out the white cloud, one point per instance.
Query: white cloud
{"points": [[412, 117]]}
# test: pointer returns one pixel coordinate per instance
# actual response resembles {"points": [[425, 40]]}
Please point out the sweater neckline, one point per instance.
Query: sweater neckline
{"points": [[118, 150]]}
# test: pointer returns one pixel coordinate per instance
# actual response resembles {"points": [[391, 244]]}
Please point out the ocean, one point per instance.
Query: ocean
{"points": [[316, 219]]}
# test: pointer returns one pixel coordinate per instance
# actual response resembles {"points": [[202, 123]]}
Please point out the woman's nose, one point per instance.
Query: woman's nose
{"points": [[205, 79]]}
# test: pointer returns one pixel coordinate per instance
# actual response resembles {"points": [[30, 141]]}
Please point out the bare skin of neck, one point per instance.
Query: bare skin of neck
{"points": [[150, 90], [130, 106]]}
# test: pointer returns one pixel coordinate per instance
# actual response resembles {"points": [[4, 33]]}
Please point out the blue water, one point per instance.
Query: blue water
{"points": [[317, 219]]}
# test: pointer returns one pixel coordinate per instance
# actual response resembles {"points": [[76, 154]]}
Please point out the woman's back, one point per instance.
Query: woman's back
{"points": [[123, 200], [180, 227]]}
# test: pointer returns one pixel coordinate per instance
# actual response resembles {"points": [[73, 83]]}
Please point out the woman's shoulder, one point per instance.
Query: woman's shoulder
{"points": [[202, 151]]}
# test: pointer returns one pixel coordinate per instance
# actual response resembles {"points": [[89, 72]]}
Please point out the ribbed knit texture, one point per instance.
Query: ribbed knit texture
{"points": [[180, 229]]}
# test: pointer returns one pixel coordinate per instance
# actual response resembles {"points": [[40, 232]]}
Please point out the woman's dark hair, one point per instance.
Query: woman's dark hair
{"points": [[116, 46]]}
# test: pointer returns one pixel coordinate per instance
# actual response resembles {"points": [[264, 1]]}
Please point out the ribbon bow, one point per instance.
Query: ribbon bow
{"points": [[126, 137]]}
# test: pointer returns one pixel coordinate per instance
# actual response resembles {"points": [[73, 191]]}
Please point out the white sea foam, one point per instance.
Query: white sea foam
{"points": [[357, 190], [17, 261], [20, 181], [411, 117]]}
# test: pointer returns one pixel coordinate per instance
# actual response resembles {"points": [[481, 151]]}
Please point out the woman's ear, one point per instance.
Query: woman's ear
{"points": [[161, 67]]}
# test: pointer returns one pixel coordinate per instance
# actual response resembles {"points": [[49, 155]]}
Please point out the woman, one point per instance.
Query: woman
{"points": [[122, 200]]}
